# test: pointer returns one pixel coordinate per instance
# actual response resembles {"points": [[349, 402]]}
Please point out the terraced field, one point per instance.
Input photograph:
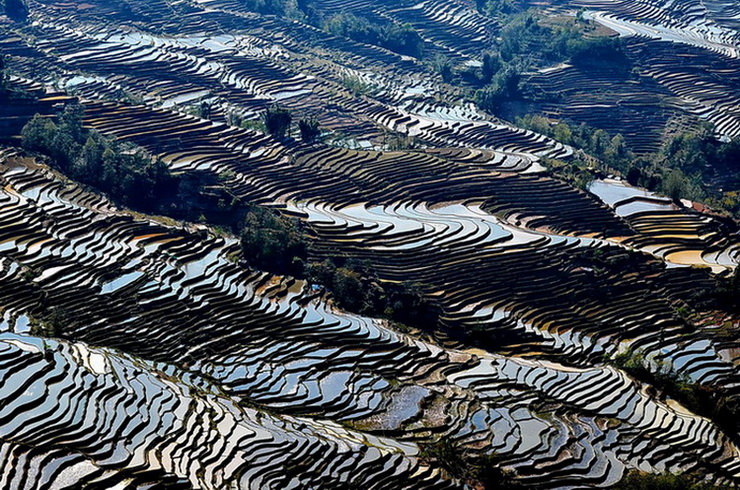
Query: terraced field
{"points": [[687, 47], [140, 352], [174, 297], [256, 60]]}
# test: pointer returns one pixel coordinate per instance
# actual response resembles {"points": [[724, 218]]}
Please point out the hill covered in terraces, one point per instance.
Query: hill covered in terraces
{"points": [[369, 244]]}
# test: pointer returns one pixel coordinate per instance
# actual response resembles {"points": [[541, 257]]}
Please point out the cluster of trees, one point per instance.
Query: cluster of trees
{"points": [[124, 172], [399, 38], [609, 152], [275, 243], [272, 242], [357, 288], [478, 471], [703, 399], [51, 323], [662, 481], [527, 41], [605, 53], [612, 151], [402, 39], [691, 165], [277, 122], [504, 85], [287, 8], [496, 8], [528, 37]]}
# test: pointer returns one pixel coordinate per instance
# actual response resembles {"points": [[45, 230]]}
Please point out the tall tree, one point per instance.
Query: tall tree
{"points": [[309, 129], [277, 121]]}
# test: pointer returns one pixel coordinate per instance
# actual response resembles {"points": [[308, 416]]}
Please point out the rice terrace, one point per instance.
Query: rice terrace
{"points": [[370, 244]]}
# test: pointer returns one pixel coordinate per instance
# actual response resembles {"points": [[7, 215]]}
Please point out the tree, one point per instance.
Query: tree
{"points": [[38, 133], [309, 129], [599, 142], [563, 133], [63, 148], [505, 86], [70, 121], [348, 289], [204, 110], [634, 175], [675, 185], [442, 65], [618, 147], [277, 121], [490, 66]]}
